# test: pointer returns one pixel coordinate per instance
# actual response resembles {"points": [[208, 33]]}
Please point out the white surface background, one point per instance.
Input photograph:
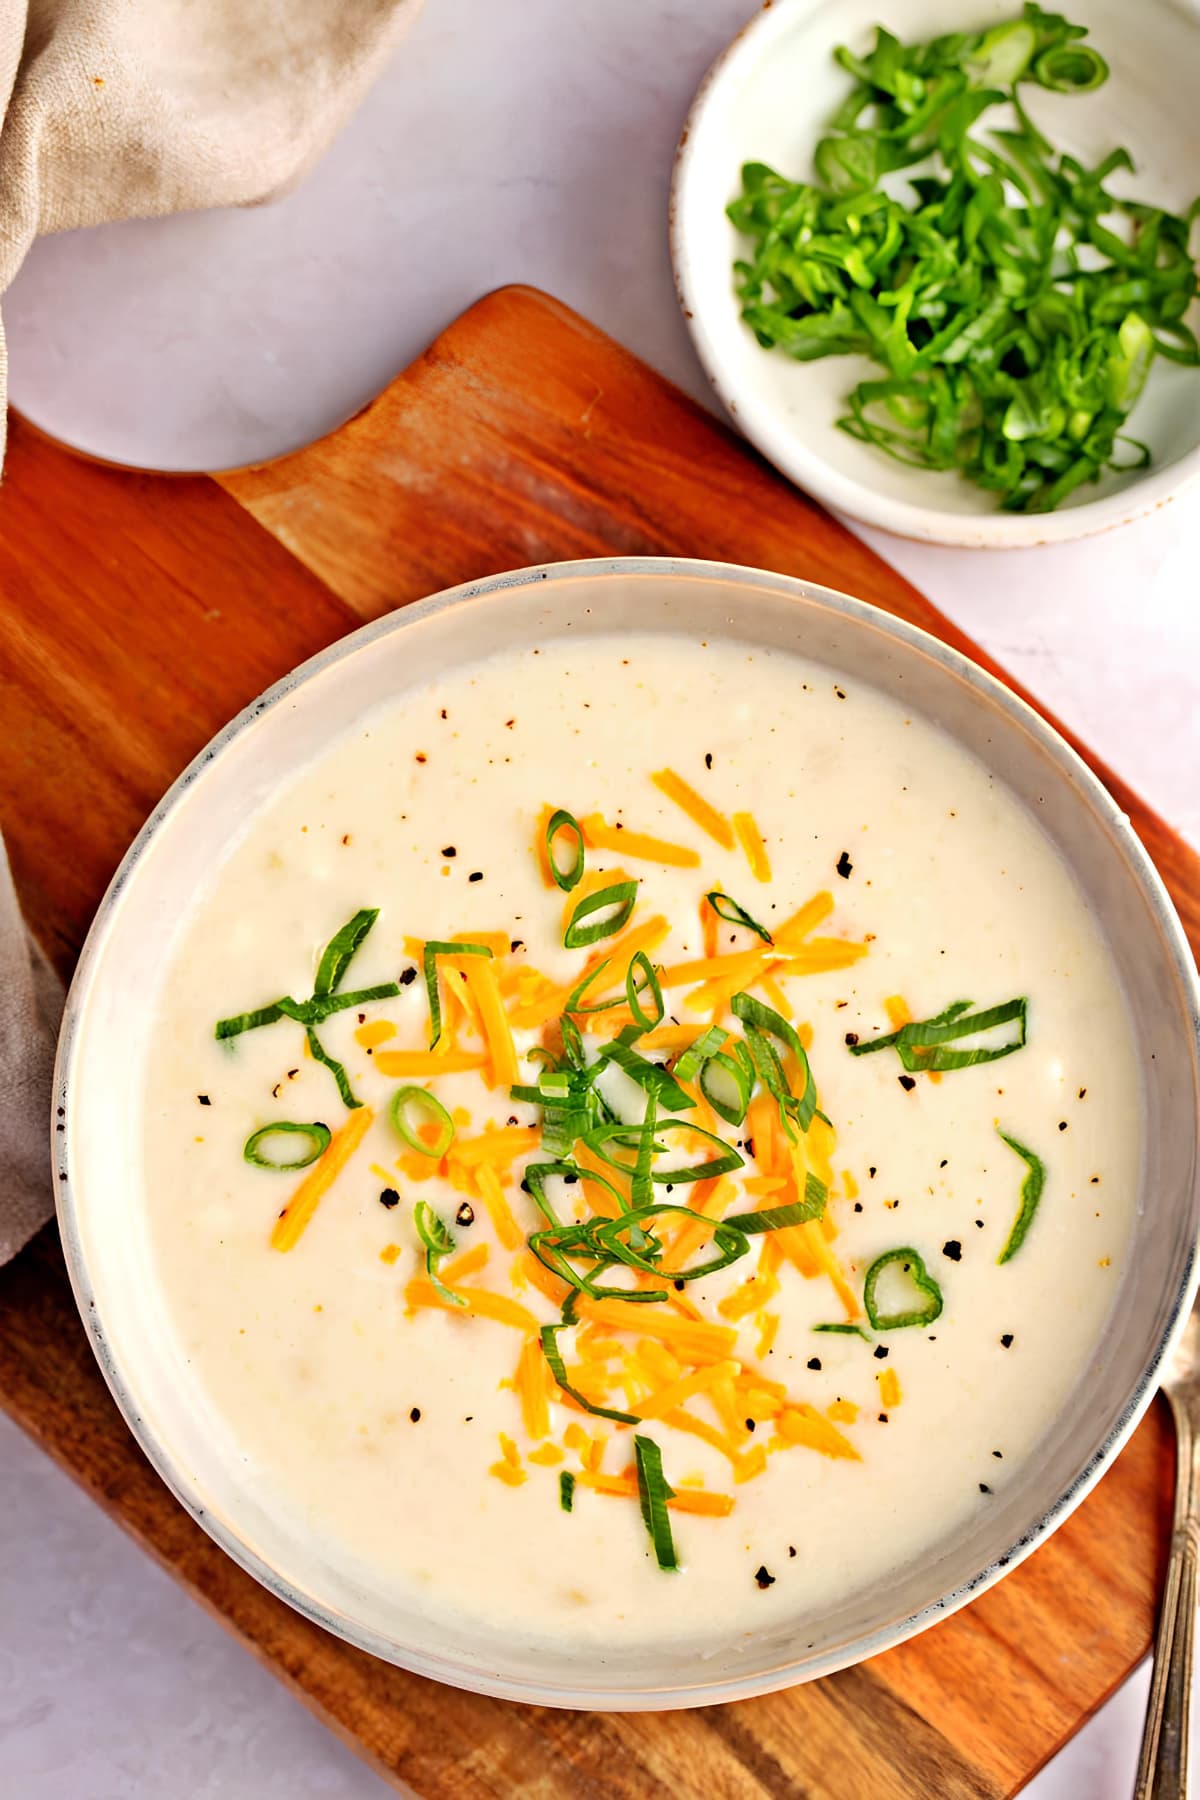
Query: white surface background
{"points": [[527, 142]]}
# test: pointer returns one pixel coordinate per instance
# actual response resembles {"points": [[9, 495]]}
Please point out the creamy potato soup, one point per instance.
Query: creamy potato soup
{"points": [[640, 1141]]}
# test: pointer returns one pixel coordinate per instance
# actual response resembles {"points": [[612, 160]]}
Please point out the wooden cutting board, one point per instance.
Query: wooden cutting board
{"points": [[138, 613]]}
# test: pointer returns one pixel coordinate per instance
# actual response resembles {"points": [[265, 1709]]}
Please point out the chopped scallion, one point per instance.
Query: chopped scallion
{"points": [[601, 914], [412, 1099], [1031, 1193], [921, 1300], [559, 822], [257, 1147], [653, 1492], [438, 1243], [733, 914]]}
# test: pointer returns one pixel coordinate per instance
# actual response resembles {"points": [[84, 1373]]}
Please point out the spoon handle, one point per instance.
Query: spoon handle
{"points": [[1163, 1765]]}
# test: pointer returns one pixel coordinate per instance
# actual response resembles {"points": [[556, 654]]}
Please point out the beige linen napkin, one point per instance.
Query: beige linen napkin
{"points": [[121, 109], [117, 109], [31, 1003]]}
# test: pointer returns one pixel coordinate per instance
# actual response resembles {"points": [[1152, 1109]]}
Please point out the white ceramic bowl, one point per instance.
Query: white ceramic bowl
{"points": [[768, 98], [107, 1036]]}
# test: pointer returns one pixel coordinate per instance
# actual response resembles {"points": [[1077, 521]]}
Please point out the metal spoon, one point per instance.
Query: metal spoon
{"points": [[1163, 1765]]}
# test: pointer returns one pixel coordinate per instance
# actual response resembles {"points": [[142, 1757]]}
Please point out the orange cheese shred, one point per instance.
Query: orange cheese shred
{"points": [[775, 994], [711, 1203], [686, 1500], [467, 1262], [527, 1267], [889, 1388], [534, 1388], [804, 1426], [697, 808], [658, 1403], [492, 1195], [374, 1032], [751, 1464], [497, 1033], [293, 1221], [814, 912], [498, 1147], [750, 838], [693, 1341], [486, 1305], [758, 1292], [401, 1065], [599, 835]]}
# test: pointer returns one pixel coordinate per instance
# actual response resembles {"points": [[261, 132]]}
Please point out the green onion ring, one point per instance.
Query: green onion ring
{"points": [[728, 909], [421, 1098], [570, 877], [317, 1135], [621, 895]]}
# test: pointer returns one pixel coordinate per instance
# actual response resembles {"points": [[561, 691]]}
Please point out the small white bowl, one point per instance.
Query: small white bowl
{"points": [[768, 99]]}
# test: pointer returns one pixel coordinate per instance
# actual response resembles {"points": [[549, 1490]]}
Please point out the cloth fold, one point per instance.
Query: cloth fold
{"points": [[121, 109], [31, 1003]]}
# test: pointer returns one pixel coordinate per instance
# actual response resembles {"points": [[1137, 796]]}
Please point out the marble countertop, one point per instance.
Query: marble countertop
{"points": [[523, 143]]}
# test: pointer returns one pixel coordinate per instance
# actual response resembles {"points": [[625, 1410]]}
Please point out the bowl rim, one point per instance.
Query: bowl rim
{"points": [[188, 1492], [762, 423]]}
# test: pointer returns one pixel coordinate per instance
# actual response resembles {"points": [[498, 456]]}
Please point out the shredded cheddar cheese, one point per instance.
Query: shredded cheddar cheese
{"points": [[697, 808], [293, 1221], [750, 838]]}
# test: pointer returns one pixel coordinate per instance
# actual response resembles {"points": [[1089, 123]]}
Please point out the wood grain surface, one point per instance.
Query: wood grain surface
{"points": [[138, 613]]}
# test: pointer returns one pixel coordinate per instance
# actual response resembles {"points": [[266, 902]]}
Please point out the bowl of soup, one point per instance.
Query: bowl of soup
{"points": [[629, 1134]]}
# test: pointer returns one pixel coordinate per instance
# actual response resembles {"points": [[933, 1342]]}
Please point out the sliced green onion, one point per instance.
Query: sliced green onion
{"points": [[438, 1243], [318, 1143], [640, 978], [566, 1490], [641, 1182], [553, 1355], [924, 1291], [335, 958], [651, 1077], [922, 1044], [1031, 1193], [728, 1241], [572, 1040], [410, 1099], [846, 1330], [614, 903], [569, 877], [319, 1054], [246, 1021], [653, 1492], [778, 1218], [986, 287], [574, 1003], [433, 950], [761, 1021], [733, 914], [697, 1054], [536, 1175], [727, 1082], [321, 1007], [723, 1164], [1071, 69], [331, 968]]}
